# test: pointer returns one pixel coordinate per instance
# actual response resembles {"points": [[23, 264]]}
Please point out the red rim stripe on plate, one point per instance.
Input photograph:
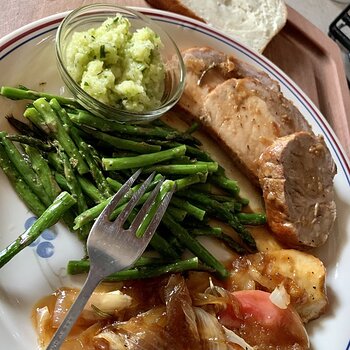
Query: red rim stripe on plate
{"points": [[28, 32]]}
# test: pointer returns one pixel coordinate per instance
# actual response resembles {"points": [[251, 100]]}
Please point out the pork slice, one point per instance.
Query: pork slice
{"points": [[246, 117], [206, 68], [202, 61], [296, 175]]}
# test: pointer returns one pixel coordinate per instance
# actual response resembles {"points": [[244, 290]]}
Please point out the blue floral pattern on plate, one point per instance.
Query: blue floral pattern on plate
{"points": [[44, 248]]}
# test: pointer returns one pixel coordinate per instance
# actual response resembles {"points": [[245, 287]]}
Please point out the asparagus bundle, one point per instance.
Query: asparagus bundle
{"points": [[63, 147]]}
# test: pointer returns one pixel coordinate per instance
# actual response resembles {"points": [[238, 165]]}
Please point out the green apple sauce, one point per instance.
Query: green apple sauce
{"points": [[117, 67]]}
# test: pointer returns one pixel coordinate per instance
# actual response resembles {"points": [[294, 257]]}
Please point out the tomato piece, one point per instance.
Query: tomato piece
{"points": [[260, 322]]}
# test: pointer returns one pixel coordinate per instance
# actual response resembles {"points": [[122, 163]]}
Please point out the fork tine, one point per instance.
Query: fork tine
{"points": [[146, 206], [118, 196], [157, 217], [133, 201]]}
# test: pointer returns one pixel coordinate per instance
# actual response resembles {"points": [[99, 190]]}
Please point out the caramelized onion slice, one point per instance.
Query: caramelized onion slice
{"points": [[233, 338], [147, 331], [108, 303], [280, 297], [114, 340], [210, 330], [217, 297], [43, 325], [181, 320]]}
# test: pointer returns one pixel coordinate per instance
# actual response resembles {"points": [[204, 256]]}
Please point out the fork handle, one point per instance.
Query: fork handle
{"points": [[74, 312]]}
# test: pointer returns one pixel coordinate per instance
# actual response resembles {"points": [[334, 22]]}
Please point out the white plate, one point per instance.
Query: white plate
{"points": [[27, 57]]}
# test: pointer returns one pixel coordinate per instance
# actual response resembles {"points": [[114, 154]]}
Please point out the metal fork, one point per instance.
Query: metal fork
{"points": [[112, 248]]}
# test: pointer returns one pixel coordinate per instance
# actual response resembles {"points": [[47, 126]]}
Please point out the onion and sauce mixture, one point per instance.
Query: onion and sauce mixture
{"points": [[194, 311]]}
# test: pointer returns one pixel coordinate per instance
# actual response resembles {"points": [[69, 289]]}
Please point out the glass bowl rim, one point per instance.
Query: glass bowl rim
{"points": [[85, 99]]}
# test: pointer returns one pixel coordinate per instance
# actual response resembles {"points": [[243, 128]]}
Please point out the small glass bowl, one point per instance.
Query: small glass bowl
{"points": [[90, 16]]}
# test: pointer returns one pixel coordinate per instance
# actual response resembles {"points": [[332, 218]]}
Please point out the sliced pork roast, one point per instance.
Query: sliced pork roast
{"points": [[296, 175], [245, 111], [245, 114], [248, 117]]}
